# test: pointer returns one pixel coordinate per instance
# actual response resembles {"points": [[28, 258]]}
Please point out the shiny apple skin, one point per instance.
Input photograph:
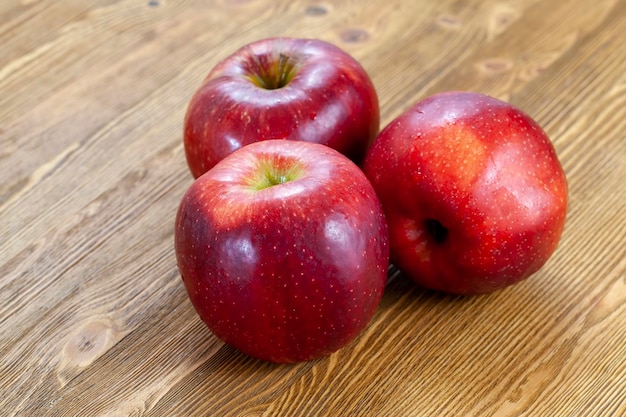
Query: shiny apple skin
{"points": [[288, 273], [329, 100], [487, 173]]}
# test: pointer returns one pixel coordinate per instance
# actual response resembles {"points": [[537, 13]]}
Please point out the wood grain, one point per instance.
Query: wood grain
{"points": [[94, 320]]}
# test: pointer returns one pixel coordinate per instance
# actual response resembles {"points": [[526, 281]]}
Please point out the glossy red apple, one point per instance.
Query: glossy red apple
{"points": [[473, 192], [281, 88], [283, 250]]}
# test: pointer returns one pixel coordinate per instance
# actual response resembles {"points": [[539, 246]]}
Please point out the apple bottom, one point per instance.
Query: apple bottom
{"points": [[288, 327], [289, 293], [463, 260]]}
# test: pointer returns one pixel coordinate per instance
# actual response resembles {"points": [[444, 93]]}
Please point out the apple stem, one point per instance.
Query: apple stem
{"points": [[283, 71]]}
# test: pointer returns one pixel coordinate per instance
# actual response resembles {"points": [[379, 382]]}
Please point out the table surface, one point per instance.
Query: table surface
{"points": [[94, 318]]}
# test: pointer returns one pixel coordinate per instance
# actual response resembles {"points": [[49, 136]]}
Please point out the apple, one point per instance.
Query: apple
{"points": [[283, 250], [474, 195], [281, 88]]}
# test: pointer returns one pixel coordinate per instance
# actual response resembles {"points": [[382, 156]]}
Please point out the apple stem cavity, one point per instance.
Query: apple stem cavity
{"points": [[436, 230], [270, 174], [271, 73]]}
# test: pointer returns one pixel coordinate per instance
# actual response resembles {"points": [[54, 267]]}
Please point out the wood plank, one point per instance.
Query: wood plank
{"points": [[93, 317]]}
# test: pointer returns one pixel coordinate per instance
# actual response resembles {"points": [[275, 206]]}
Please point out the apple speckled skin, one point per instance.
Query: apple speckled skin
{"points": [[474, 195], [283, 272], [281, 88]]}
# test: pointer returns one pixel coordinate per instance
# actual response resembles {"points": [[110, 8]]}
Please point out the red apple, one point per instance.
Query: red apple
{"points": [[474, 195], [281, 88], [283, 250]]}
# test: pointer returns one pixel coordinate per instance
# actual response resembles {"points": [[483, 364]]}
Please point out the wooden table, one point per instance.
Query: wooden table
{"points": [[94, 318]]}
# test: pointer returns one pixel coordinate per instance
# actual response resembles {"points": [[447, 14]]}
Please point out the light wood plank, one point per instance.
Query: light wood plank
{"points": [[93, 316]]}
